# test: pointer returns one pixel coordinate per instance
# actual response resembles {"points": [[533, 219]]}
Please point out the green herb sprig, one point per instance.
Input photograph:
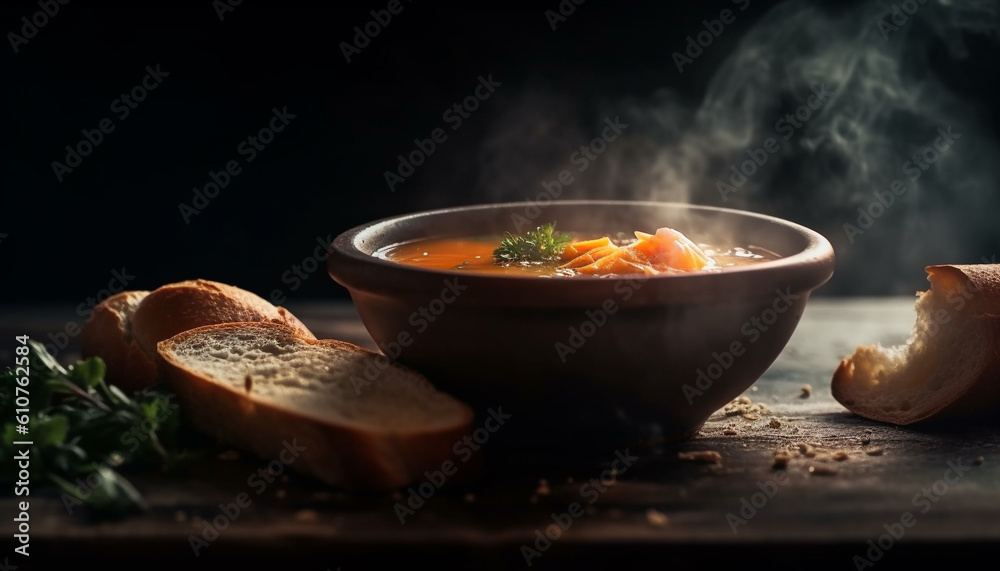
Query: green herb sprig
{"points": [[543, 244], [82, 429]]}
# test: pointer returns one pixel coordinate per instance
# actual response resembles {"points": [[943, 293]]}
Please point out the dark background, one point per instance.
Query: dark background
{"points": [[324, 173]]}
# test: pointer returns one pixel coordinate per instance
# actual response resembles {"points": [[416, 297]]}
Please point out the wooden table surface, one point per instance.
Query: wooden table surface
{"points": [[661, 511]]}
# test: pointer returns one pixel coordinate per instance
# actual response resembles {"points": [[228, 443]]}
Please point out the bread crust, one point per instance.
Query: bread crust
{"points": [[107, 334], [127, 342], [354, 456], [979, 394]]}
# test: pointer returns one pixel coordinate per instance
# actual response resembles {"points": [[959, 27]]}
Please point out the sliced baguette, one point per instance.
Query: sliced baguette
{"points": [[127, 326], [949, 368], [262, 387]]}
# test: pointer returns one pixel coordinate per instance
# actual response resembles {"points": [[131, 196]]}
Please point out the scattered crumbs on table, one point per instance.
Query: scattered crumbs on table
{"points": [[822, 471], [701, 456], [656, 518], [781, 459], [807, 450], [807, 392]]}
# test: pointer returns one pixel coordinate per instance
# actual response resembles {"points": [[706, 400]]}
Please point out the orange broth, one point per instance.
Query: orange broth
{"points": [[476, 255]]}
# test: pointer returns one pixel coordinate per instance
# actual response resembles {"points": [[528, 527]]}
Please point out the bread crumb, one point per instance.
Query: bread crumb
{"points": [[781, 459], [543, 487], [840, 455], [180, 516], [656, 518], [729, 432], [775, 423], [979, 461], [866, 439], [280, 494], [822, 471], [306, 516], [743, 400], [248, 383], [753, 389], [875, 451], [807, 392], [750, 416], [807, 450], [702, 456], [229, 455], [469, 498]]}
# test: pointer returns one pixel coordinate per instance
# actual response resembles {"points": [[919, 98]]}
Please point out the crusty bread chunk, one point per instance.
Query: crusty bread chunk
{"points": [[108, 334], [949, 368], [127, 326], [262, 387]]}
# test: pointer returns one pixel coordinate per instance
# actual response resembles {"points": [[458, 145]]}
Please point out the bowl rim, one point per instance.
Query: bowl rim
{"points": [[818, 248]]}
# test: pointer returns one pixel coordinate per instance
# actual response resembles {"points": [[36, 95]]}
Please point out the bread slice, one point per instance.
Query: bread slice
{"points": [[949, 368], [108, 334], [263, 386], [126, 327]]}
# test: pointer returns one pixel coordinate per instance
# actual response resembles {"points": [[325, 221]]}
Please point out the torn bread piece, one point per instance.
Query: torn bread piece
{"points": [[949, 368]]}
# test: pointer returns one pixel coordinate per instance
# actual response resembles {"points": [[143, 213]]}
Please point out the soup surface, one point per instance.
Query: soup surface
{"points": [[476, 254]]}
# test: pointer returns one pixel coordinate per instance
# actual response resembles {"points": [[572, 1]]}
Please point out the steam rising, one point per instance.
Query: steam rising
{"points": [[893, 89]]}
